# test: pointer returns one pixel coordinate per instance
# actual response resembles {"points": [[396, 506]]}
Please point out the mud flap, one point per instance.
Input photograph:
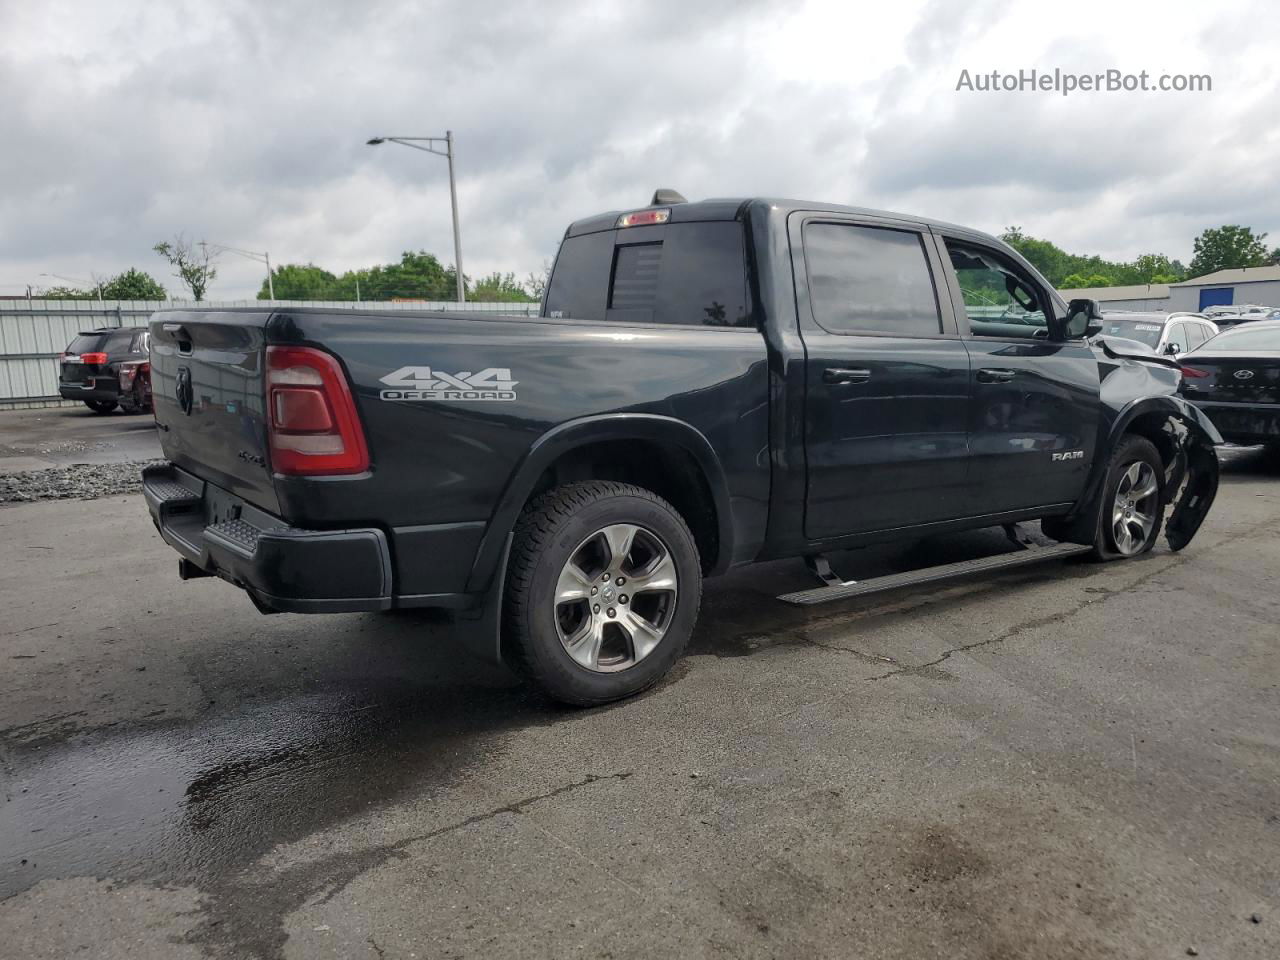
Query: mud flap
{"points": [[479, 629], [1199, 462]]}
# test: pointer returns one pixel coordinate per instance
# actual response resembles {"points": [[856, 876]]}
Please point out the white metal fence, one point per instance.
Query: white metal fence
{"points": [[34, 332]]}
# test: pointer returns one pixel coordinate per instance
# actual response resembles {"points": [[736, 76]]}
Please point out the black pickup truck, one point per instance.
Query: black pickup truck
{"points": [[709, 384]]}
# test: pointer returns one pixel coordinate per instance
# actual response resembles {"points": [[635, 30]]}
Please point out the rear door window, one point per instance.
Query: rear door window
{"points": [[870, 280]]}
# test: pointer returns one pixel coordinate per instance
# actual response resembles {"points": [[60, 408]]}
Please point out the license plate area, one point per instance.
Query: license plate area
{"points": [[220, 506]]}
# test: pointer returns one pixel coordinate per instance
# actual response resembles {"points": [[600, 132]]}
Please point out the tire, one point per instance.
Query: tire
{"points": [[100, 406], [556, 614], [136, 402], [1129, 519]]}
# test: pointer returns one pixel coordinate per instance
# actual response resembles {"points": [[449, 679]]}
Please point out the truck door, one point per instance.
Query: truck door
{"points": [[1033, 417], [886, 377]]}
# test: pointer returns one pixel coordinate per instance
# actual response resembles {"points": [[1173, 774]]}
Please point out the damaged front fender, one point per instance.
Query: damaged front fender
{"points": [[1193, 474]]}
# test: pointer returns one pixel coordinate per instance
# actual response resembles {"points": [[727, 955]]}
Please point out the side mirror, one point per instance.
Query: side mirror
{"points": [[1084, 318], [1173, 349]]}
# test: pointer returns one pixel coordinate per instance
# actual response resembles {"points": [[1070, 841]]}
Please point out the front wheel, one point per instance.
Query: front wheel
{"points": [[603, 587], [1132, 501]]}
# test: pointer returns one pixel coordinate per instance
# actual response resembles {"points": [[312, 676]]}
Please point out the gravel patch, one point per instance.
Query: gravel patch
{"points": [[80, 481]]}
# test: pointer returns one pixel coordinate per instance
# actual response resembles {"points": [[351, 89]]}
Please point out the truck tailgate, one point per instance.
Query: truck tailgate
{"points": [[207, 376]]}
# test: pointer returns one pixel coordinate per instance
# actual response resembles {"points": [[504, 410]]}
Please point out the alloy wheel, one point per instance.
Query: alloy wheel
{"points": [[615, 597], [1134, 510]]}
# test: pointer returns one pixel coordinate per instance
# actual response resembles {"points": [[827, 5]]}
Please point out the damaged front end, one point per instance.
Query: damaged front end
{"points": [[1139, 390], [1192, 475]]}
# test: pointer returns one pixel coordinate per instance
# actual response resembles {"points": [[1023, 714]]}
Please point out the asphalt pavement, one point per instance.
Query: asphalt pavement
{"points": [[1071, 760], [52, 437]]}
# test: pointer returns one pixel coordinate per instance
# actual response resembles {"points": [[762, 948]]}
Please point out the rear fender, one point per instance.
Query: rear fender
{"points": [[587, 430]]}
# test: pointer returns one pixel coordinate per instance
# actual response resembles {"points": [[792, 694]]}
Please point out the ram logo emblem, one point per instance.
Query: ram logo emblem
{"points": [[426, 383], [1069, 455]]}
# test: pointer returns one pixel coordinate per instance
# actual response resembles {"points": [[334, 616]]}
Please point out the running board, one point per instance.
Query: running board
{"points": [[945, 571]]}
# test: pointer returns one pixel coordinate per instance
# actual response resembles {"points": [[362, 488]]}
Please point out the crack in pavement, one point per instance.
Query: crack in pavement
{"points": [[1027, 626]]}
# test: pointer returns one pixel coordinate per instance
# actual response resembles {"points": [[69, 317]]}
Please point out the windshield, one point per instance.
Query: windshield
{"points": [[1144, 331], [1246, 338]]}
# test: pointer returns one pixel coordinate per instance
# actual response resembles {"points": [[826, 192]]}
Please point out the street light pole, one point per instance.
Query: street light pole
{"points": [[263, 257], [447, 153], [457, 234]]}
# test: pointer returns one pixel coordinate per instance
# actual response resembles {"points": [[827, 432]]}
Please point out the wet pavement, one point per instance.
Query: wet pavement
{"points": [[1064, 760], [61, 436]]}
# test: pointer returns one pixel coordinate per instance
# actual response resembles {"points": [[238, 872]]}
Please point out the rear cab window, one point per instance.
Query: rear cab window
{"points": [[686, 273]]}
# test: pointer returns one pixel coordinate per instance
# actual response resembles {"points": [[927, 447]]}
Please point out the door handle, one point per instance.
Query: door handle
{"points": [[845, 375], [995, 375]]}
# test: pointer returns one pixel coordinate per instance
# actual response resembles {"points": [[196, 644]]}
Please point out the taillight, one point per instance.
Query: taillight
{"points": [[130, 370], [98, 358], [1194, 374], [311, 414]]}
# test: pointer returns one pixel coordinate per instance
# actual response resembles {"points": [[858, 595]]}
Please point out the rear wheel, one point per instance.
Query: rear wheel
{"points": [[1132, 501], [603, 588], [137, 402], [100, 406]]}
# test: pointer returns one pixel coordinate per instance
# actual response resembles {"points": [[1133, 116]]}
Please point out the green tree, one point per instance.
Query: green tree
{"points": [[1227, 247], [1149, 266], [68, 293], [193, 267], [418, 276], [295, 281], [1074, 281], [133, 284], [499, 288]]}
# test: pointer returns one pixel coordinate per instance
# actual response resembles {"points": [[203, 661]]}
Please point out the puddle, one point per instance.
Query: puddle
{"points": [[184, 804]]}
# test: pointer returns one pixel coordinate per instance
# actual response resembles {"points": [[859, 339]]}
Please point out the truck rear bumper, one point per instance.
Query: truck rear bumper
{"points": [[283, 568]]}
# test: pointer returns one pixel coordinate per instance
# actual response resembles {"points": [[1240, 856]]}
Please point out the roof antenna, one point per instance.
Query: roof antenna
{"points": [[662, 197]]}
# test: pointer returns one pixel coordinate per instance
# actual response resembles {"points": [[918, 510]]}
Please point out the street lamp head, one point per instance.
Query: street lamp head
{"points": [[375, 141]]}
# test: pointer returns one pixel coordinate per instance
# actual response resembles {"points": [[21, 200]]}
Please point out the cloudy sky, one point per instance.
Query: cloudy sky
{"points": [[244, 122]]}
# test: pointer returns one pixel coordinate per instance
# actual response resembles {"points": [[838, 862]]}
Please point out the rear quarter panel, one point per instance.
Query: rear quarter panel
{"points": [[449, 461]]}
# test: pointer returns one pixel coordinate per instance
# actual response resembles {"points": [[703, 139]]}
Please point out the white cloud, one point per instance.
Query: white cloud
{"points": [[245, 123]]}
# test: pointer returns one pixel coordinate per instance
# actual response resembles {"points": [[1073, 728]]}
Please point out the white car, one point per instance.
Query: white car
{"points": [[1171, 334], [1251, 311]]}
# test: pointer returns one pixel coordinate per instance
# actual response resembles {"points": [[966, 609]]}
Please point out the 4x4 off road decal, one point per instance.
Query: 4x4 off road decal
{"points": [[423, 383]]}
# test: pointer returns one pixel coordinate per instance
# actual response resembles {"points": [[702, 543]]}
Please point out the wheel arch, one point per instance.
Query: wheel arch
{"points": [[1185, 439], [667, 453]]}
